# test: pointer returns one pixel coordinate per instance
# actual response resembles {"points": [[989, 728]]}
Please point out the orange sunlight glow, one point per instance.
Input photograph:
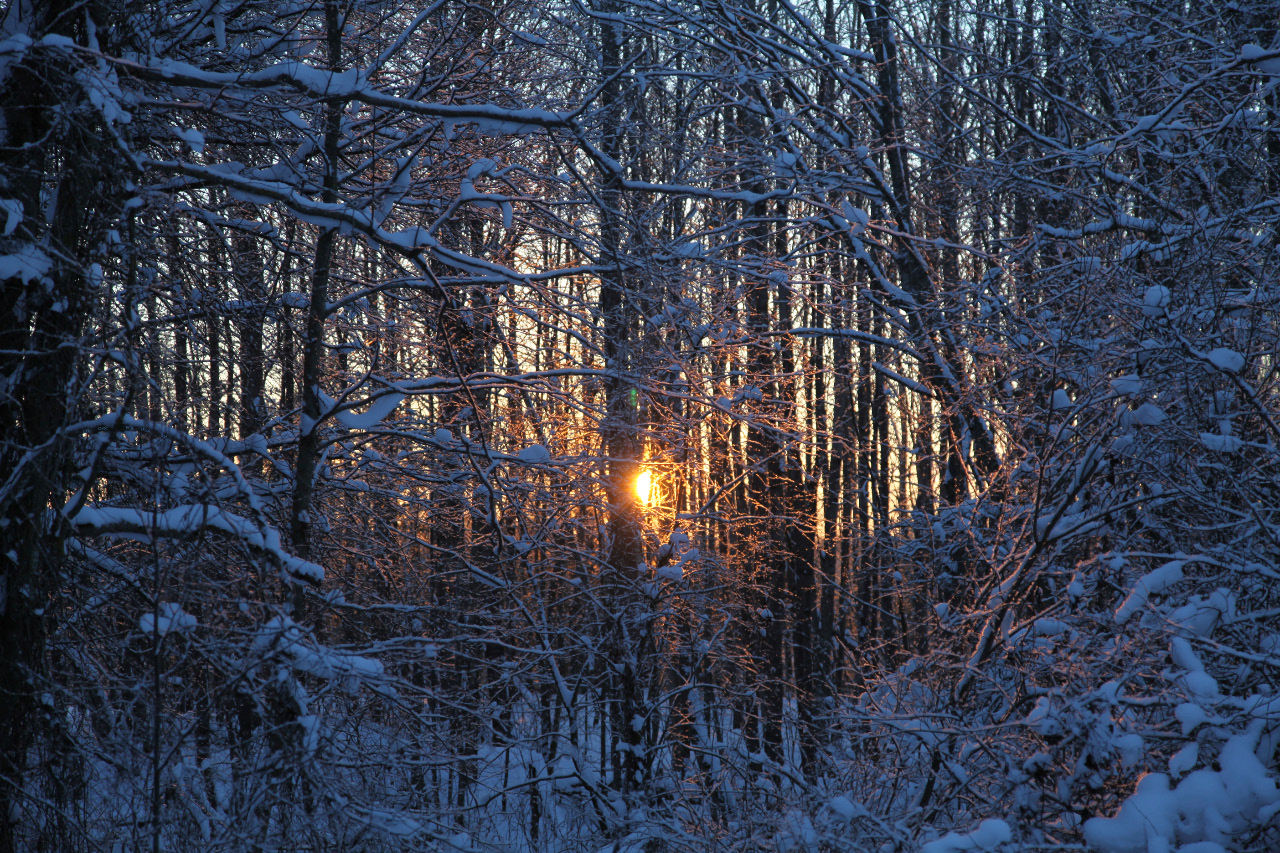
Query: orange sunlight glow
{"points": [[644, 487]]}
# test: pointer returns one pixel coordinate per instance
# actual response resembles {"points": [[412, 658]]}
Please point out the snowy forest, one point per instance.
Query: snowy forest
{"points": [[640, 426]]}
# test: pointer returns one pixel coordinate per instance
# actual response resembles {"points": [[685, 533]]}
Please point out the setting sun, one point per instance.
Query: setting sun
{"points": [[644, 487]]}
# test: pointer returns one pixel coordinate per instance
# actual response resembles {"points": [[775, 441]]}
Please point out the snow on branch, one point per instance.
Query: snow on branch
{"points": [[188, 521]]}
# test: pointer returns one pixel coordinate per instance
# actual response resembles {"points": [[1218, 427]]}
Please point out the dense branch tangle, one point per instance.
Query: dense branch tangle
{"points": [[329, 397]]}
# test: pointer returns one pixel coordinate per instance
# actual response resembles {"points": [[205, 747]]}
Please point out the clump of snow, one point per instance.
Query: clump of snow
{"points": [[1220, 405], [1131, 748], [12, 209], [377, 412], [28, 263], [673, 574], [534, 454], [190, 519], [856, 216], [1227, 359], [1127, 385], [1208, 807], [1184, 760], [845, 808], [1199, 682], [1149, 414], [1191, 716], [193, 138], [1123, 445], [1046, 627], [1201, 615], [483, 166], [171, 619], [310, 725], [1267, 61], [1152, 583], [989, 835], [1155, 300], [1149, 811], [564, 775], [1221, 443], [284, 635], [1070, 524], [394, 823], [1043, 719]]}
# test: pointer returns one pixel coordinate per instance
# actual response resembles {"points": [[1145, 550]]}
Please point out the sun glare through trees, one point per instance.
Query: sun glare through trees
{"points": [[645, 487], [640, 426]]}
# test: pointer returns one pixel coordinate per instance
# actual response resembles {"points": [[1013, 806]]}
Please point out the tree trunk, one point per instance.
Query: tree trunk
{"points": [[39, 356]]}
